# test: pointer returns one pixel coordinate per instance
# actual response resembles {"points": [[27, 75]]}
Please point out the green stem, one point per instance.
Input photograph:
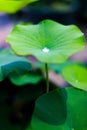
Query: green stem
{"points": [[47, 78]]}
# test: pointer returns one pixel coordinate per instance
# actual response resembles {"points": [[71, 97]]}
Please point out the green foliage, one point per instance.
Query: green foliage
{"points": [[50, 112], [17, 69], [76, 75], [48, 41], [51, 107], [7, 100], [12, 6], [38, 124], [76, 117], [76, 106], [31, 77], [10, 63]]}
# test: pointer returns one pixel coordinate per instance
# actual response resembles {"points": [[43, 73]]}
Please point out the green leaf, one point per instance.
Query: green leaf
{"points": [[11, 63], [38, 124], [12, 6], [76, 75], [27, 78], [48, 41], [76, 113], [77, 107], [51, 108]]}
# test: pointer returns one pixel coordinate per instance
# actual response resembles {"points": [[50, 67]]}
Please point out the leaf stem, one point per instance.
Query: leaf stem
{"points": [[47, 78]]}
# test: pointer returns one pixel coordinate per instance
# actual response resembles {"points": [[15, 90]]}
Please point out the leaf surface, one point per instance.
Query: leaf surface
{"points": [[76, 107], [51, 108], [48, 41], [26, 78], [76, 75], [9, 63]]}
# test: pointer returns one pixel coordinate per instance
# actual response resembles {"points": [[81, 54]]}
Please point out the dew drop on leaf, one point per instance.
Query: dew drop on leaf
{"points": [[45, 50]]}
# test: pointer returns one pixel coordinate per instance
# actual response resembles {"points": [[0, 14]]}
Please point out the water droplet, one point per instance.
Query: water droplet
{"points": [[45, 50]]}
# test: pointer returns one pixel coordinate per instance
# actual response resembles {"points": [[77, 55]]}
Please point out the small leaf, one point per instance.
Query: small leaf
{"points": [[76, 75], [48, 41], [12, 6], [51, 108], [27, 78], [11, 63]]}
